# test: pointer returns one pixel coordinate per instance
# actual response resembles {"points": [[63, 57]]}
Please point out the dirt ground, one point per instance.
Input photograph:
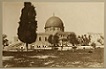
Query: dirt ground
{"points": [[53, 58]]}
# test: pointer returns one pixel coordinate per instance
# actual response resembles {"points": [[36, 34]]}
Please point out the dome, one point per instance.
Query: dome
{"points": [[54, 22]]}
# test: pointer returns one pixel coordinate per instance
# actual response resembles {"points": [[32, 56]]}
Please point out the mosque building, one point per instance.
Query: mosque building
{"points": [[54, 25]]}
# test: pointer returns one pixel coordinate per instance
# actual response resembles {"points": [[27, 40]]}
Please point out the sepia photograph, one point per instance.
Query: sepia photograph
{"points": [[53, 34]]}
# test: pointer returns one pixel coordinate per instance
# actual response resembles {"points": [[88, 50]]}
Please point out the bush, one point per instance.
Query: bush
{"points": [[90, 51], [93, 45]]}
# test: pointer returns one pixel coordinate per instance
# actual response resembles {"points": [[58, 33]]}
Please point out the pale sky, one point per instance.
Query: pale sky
{"points": [[78, 17]]}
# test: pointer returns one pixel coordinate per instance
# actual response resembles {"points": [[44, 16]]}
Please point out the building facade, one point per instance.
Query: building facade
{"points": [[54, 25]]}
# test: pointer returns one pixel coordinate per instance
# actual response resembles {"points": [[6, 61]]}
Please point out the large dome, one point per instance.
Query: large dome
{"points": [[54, 22]]}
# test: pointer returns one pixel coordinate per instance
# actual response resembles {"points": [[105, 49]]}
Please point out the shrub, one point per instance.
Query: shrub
{"points": [[93, 45]]}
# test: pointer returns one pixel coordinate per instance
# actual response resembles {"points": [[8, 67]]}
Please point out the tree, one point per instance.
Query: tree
{"points": [[80, 39], [53, 39], [100, 41], [73, 39], [4, 36], [85, 40], [101, 37], [5, 40], [28, 24], [93, 45]]}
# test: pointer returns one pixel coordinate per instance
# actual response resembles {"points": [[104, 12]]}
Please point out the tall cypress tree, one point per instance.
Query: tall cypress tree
{"points": [[28, 24]]}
